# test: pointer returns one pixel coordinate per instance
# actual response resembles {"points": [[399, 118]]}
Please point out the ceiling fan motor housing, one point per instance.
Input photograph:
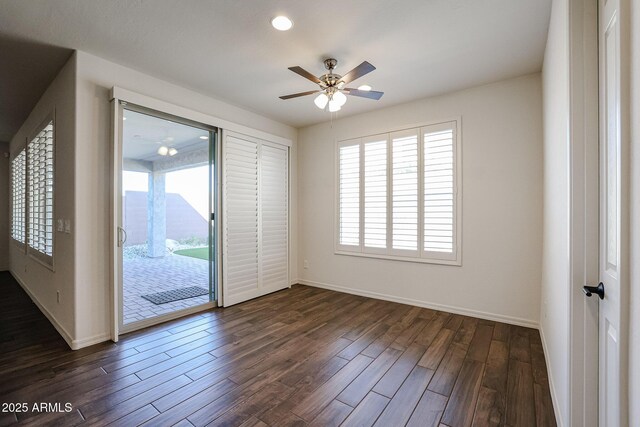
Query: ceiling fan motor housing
{"points": [[330, 63]]}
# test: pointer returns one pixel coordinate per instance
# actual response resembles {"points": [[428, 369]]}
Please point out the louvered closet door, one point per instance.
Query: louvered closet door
{"points": [[274, 215], [256, 219], [241, 220]]}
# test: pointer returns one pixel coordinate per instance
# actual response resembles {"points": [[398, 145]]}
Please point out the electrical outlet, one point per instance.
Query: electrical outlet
{"points": [[306, 264], [60, 225], [58, 296], [67, 226]]}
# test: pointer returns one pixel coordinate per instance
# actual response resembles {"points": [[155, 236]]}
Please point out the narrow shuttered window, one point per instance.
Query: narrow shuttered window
{"points": [[404, 190], [398, 195], [375, 192], [439, 192], [349, 195], [18, 193], [40, 194]]}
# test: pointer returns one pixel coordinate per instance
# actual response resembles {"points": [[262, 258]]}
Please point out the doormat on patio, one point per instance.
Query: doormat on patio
{"points": [[175, 295]]}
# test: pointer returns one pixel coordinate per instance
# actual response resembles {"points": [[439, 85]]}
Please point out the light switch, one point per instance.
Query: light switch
{"points": [[60, 225], [67, 226]]}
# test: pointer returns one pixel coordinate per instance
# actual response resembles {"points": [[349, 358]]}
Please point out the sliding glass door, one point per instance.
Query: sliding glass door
{"points": [[166, 235]]}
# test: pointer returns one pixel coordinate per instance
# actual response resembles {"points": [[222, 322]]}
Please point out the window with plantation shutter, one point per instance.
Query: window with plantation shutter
{"points": [[375, 192], [18, 194], [398, 195], [349, 195], [40, 194]]}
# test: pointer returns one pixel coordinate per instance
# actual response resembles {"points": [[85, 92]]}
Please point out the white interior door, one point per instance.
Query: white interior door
{"points": [[612, 248], [255, 218]]}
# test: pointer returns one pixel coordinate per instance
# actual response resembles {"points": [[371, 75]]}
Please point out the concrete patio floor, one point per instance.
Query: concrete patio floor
{"points": [[143, 276]]}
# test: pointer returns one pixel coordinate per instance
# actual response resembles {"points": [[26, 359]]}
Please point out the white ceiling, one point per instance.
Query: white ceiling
{"points": [[228, 49]]}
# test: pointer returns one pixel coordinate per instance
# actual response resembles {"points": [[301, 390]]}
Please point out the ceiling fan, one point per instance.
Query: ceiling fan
{"points": [[332, 86]]}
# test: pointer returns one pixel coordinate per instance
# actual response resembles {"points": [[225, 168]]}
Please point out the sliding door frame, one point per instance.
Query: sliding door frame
{"points": [[117, 200], [118, 96]]}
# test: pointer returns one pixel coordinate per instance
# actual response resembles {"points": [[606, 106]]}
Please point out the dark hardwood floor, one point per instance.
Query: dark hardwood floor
{"points": [[303, 356]]}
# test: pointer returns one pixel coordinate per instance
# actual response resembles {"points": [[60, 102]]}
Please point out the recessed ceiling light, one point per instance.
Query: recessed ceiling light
{"points": [[281, 23], [124, 118], [173, 151], [163, 150], [204, 137], [365, 88]]}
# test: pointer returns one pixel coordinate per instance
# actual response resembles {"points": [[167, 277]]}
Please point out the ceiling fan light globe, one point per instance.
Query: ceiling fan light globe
{"points": [[334, 106], [321, 101], [339, 98]]}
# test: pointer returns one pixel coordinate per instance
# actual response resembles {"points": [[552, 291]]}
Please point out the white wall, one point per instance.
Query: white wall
{"points": [[40, 281], [554, 315], [4, 206], [96, 77], [501, 208]]}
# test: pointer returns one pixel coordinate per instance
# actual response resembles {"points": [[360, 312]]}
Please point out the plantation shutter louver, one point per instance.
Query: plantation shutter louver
{"points": [[255, 218], [274, 196], [439, 191], [375, 192], [404, 190], [40, 194], [241, 215], [18, 193], [349, 195]]}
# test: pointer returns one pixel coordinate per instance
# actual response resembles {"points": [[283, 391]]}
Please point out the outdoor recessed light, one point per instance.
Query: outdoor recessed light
{"points": [[173, 151], [163, 150], [365, 88], [204, 137], [281, 23]]}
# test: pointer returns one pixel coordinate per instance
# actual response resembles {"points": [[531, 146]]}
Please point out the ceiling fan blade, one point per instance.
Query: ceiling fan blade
{"points": [[371, 94], [295, 95], [358, 72], [304, 73]]}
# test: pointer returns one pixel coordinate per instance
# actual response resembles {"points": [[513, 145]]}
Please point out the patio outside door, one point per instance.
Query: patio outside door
{"points": [[166, 233]]}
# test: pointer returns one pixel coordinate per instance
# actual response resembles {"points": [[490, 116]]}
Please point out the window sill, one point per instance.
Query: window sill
{"points": [[453, 263], [46, 264]]}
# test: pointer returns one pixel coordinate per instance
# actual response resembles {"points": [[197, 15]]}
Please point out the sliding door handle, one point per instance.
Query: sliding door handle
{"points": [[122, 236]]}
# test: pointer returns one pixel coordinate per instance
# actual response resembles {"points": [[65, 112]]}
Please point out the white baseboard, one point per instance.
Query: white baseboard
{"points": [[73, 344], [441, 307], [86, 342], [552, 387], [61, 330]]}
